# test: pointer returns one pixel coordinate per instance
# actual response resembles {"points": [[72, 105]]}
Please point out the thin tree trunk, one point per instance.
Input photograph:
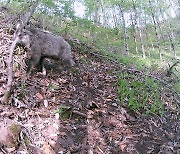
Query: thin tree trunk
{"points": [[160, 30], [125, 30], [7, 94], [179, 9], [156, 32], [137, 23], [170, 34], [159, 24], [142, 43], [148, 37], [171, 39], [114, 18], [134, 32], [96, 19], [104, 14]]}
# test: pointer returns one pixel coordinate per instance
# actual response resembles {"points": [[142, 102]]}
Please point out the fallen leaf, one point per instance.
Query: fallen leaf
{"points": [[63, 80], [2, 90], [39, 96], [45, 103], [47, 149]]}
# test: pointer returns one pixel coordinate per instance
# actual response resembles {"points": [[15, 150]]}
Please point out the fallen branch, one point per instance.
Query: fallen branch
{"points": [[7, 94], [169, 71], [79, 113]]}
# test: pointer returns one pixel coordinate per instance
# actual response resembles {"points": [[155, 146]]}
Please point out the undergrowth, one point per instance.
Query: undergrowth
{"points": [[140, 95]]}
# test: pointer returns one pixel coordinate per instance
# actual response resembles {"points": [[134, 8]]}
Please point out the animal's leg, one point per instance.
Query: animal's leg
{"points": [[34, 60]]}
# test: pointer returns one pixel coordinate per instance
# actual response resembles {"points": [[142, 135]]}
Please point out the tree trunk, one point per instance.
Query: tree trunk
{"points": [[142, 43], [179, 9], [148, 37], [170, 34], [159, 23], [7, 94], [114, 18], [125, 30], [96, 19], [156, 32], [134, 32], [104, 13], [137, 23], [171, 39]]}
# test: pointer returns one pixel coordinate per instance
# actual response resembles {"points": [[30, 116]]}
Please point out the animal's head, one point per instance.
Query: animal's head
{"points": [[23, 35]]}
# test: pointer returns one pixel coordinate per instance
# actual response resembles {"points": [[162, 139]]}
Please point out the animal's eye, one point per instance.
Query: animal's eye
{"points": [[20, 36]]}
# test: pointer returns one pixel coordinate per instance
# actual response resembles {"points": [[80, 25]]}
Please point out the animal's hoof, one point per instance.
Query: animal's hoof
{"points": [[44, 71]]}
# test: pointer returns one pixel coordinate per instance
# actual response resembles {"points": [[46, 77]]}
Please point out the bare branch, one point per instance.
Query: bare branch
{"points": [[170, 70], [7, 94], [31, 13]]}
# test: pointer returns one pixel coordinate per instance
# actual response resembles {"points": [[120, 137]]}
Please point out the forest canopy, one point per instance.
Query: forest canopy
{"points": [[148, 28]]}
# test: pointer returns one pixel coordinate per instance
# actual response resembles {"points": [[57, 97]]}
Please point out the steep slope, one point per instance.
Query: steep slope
{"points": [[79, 111]]}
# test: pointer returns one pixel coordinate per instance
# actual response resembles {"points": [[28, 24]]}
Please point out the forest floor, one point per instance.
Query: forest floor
{"points": [[78, 111]]}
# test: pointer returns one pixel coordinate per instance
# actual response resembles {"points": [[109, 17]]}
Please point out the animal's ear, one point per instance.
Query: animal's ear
{"points": [[19, 27], [19, 24], [29, 32], [23, 29]]}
